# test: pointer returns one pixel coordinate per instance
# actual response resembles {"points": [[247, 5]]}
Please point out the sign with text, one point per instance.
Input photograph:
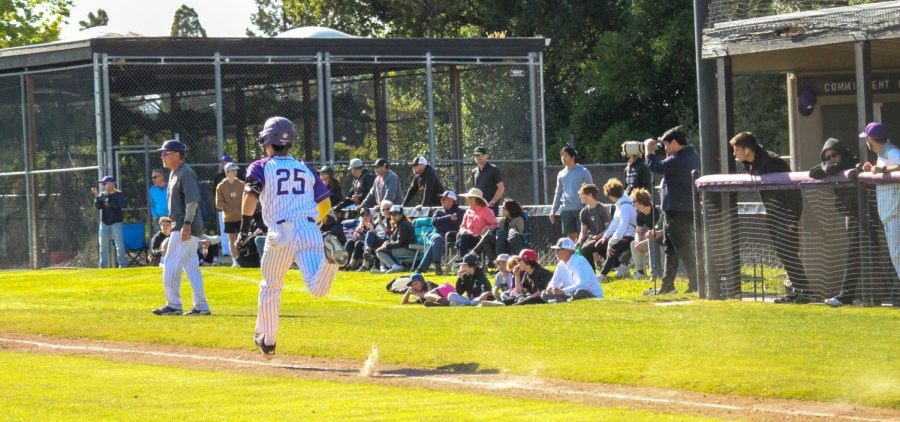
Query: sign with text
{"points": [[882, 83]]}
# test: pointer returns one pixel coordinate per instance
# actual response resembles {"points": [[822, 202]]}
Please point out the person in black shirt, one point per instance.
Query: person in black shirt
{"points": [[594, 221], [471, 283], [165, 229], [648, 235], [783, 211], [427, 182], [332, 183], [534, 281], [402, 236], [110, 203], [363, 179], [637, 175], [488, 178]]}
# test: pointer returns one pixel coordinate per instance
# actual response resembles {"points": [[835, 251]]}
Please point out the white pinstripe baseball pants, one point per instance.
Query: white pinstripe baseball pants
{"points": [[182, 255], [308, 251]]}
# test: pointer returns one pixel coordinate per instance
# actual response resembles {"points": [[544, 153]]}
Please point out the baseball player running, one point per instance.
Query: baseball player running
{"points": [[293, 199], [184, 199]]}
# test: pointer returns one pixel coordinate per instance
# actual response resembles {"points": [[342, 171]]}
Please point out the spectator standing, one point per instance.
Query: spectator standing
{"points": [[110, 203], [618, 236], [574, 278], [229, 194], [565, 201], [637, 175], [386, 186], [425, 181], [887, 194], [677, 204], [332, 183], [363, 179], [155, 256], [835, 159], [783, 211], [594, 220], [488, 178], [220, 176], [159, 206], [445, 220]]}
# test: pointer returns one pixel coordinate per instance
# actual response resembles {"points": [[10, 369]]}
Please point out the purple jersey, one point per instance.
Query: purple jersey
{"points": [[289, 188]]}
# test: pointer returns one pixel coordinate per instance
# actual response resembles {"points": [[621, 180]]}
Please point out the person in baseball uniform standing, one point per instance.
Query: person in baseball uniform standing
{"points": [[293, 200], [187, 223]]}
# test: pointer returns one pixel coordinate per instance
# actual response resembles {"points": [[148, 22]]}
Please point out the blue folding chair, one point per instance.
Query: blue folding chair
{"points": [[135, 243]]}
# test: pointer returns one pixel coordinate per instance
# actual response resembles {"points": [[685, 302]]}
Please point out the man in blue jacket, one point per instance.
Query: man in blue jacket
{"points": [[445, 220], [677, 205]]}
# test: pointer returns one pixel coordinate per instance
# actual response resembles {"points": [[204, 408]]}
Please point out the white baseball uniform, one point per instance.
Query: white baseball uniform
{"points": [[289, 191], [182, 255]]}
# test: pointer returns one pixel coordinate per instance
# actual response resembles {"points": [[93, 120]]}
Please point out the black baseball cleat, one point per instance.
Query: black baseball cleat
{"points": [[197, 312], [266, 350], [167, 310]]}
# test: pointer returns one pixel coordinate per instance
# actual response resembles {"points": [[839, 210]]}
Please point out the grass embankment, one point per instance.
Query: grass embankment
{"points": [[755, 349]]}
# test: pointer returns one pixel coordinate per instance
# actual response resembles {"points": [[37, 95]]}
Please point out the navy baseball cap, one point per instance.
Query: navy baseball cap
{"points": [[107, 179], [471, 260], [380, 162], [277, 131], [172, 146]]}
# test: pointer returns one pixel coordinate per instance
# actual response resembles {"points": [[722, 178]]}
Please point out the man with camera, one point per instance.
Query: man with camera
{"points": [[677, 205]]}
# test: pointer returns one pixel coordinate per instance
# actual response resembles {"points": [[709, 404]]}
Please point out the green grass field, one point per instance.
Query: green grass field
{"points": [[124, 391], [751, 349]]}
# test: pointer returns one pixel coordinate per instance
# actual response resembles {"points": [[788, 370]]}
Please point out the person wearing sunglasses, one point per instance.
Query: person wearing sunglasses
{"points": [[158, 194]]}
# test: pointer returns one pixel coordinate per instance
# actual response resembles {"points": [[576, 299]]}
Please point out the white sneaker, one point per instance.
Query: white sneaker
{"points": [[622, 271], [394, 268], [834, 302], [638, 275], [235, 264]]}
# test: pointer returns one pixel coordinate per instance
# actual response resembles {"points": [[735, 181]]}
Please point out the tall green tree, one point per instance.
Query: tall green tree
{"points": [[27, 22], [187, 23], [93, 20]]}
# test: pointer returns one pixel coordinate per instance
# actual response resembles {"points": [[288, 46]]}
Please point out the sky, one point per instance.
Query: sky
{"points": [[220, 18]]}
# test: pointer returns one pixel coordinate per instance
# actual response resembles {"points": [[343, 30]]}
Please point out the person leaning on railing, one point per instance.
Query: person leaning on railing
{"points": [[887, 194], [677, 204], [783, 211]]}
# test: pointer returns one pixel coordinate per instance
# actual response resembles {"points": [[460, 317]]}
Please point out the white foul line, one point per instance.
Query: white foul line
{"points": [[443, 379]]}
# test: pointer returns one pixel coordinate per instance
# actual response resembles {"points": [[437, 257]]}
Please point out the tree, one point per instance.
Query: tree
{"points": [[31, 21], [354, 17], [99, 19], [187, 23]]}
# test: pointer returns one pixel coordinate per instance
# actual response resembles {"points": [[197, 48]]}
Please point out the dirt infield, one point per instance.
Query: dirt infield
{"points": [[603, 395]]}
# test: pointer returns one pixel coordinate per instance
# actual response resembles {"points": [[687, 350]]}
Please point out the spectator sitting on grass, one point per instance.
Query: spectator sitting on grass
{"points": [[535, 279], [418, 287], [471, 282], [508, 278], [156, 252], [618, 236], [573, 279], [402, 235]]}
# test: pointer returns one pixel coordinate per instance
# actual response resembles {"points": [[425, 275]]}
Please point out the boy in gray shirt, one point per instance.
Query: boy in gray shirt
{"points": [[566, 203]]}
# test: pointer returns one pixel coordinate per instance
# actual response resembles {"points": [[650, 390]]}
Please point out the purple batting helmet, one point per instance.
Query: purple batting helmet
{"points": [[277, 131]]}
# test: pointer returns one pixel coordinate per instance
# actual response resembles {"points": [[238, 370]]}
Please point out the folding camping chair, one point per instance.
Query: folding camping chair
{"points": [[135, 243]]}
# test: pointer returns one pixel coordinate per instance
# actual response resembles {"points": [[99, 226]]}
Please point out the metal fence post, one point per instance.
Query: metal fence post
{"points": [[29, 188], [220, 130], [699, 239], [543, 128], [320, 98], [330, 110], [98, 115], [147, 173], [429, 94], [534, 143], [107, 117]]}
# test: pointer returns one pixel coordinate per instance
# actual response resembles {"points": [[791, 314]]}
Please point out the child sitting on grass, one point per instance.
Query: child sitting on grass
{"points": [[502, 281], [472, 283]]}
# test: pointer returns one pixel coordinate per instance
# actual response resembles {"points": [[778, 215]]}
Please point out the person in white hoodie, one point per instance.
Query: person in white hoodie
{"points": [[620, 233], [573, 279]]}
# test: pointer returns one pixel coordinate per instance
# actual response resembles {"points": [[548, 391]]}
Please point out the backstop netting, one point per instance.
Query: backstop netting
{"points": [[768, 235]]}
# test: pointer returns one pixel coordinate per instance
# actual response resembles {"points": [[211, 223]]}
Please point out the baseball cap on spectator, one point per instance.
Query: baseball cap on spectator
{"points": [[471, 260], [502, 257], [414, 278], [227, 159], [419, 160], [564, 243], [355, 163], [479, 151], [875, 131], [449, 194], [231, 166], [398, 209], [107, 179], [528, 255], [327, 170], [172, 146], [380, 162]]}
